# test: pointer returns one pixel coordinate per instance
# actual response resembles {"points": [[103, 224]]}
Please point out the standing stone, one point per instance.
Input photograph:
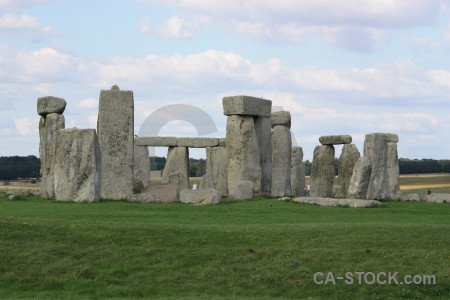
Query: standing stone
{"points": [[359, 183], [393, 170], [216, 170], [142, 165], [281, 153], [177, 167], [322, 171], [116, 137], [48, 126], [77, 165], [264, 135], [347, 161], [297, 172], [375, 149], [244, 157]]}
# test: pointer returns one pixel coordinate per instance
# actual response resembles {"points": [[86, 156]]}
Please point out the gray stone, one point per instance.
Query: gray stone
{"points": [[281, 118], [116, 137], [347, 161], [393, 170], [375, 149], [244, 156], [222, 142], [77, 165], [177, 167], [243, 190], [409, 197], [142, 165], [20, 193], [203, 196], [247, 106], [338, 191], [281, 161], [49, 105], [297, 172], [197, 142], [338, 202], [391, 138], [264, 136], [138, 185], [164, 193], [156, 141], [216, 170], [335, 139], [322, 171], [145, 198], [438, 198], [48, 127], [359, 183]]}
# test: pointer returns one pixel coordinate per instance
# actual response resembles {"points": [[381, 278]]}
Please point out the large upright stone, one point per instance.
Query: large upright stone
{"points": [[322, 171], [77, 165], [375, 149], [264, 135], [142, 165], [177, 167], [48, 126], [297, 172], [246, 106], [116, 137], [50, 105], [244, 157], [281, 154], [393, 170], [347, 161], [216, 170], [359, 182]]}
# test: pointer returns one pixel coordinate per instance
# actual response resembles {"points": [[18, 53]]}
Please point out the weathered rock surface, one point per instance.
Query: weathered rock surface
{"points": [[410, 197], [281, 118], [322, 171], [216, 170], [116, 137], [145, 198], [197, 142], [156, 141], [281, 161], [141, 165], [20, 193], [391, 137], [48, 127], [264, 135], [177, 167], [335, 139], [347, 161], [202, 196], [243, 190], [77, 165], [338, 202], [297, 172], [246, 106], [164, 193], [375, 149], [437, 197], [50, 105], [393, 170], [359, 183], [244, 156]]}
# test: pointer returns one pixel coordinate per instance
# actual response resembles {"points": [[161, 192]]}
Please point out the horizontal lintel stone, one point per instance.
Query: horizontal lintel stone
{"points": [[169, 141], [247, 106], [197, 142], [335, 139], [156, 141]]}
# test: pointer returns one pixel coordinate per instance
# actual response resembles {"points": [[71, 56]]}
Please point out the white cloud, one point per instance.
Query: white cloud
{"points": [[27, 126], [175, 27], [19, 4], [88, 103], [22, 22]]}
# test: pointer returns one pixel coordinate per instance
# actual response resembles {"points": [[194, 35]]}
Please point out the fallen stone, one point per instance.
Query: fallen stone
{"points": [[281, 161], [216, 170], [197, 142], [359, 183], [246, 106], [20, 193], [116, 138], [156, 141], [165, 193], [264, 135], [335, 139], [297, 172], [438, 198], [177, 167], [347, 161], [141, 165], [322, 171], [243, 156], [49, 105], [337, 202], [145, 198], [202, 196], [281, 118], [77, 165], [410, 197]]}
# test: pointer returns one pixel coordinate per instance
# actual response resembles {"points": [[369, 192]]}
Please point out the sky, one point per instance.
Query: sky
{"points": [[339, 66]]}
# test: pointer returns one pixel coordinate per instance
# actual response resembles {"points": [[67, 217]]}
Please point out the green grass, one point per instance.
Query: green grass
{"points": [[116, 249]]}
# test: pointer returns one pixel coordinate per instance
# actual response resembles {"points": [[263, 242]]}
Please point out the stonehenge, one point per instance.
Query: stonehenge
{"points": [[297, 172], [322, 171], [281, 153]]}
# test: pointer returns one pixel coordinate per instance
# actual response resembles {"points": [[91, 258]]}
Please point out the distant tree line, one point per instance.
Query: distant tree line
{"points": [[14, 167], [416, 166]]}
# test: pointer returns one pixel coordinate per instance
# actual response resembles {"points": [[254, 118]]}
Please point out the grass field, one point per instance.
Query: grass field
{"points": [[258, 249]]}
